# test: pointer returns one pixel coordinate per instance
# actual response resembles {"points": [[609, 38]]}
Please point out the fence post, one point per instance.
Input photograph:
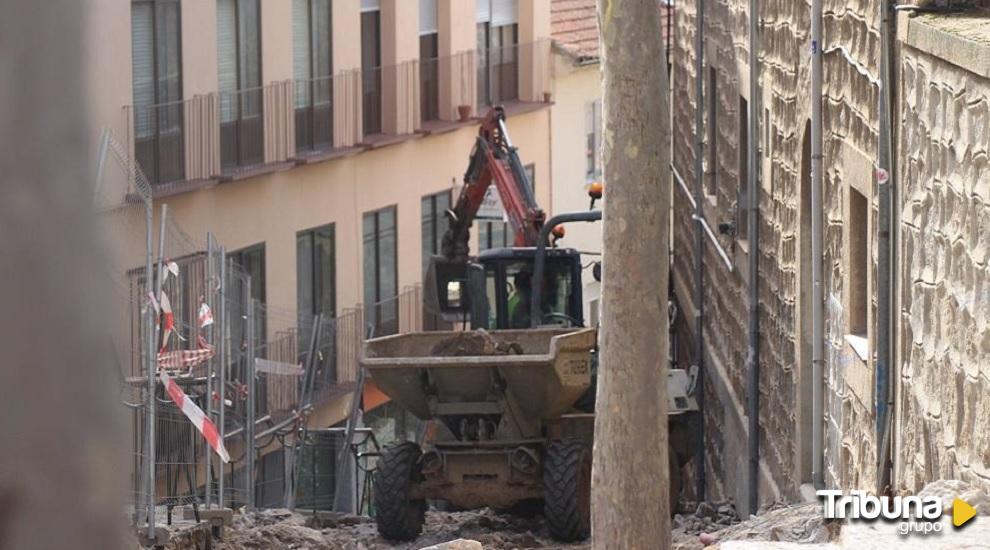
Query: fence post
{"points": [[252, 388], [152, 364], [224, 322], [211, 296]]}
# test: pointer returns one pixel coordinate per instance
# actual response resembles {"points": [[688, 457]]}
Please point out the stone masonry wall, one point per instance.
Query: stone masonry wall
{"points": [[945, 282], [850, 112], [850, 119], [784, 32]]}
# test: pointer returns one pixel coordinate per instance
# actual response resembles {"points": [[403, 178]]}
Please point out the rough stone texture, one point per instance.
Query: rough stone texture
{"points": [[852, 48], [945, 280], [784, 78]]}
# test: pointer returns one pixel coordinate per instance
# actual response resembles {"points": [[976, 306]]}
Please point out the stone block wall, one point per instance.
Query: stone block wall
{"points": [[944, 349], [851, 122]]}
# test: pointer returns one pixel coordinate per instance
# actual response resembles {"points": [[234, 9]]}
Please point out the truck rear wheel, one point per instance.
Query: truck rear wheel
{"points": [[398, 516], [567, 490]]}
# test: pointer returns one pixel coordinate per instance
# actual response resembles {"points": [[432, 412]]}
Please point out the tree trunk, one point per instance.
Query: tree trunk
{"points": [[630, 507], [61, 469]]}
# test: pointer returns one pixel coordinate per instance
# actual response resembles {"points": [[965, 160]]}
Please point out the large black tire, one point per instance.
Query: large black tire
{"points": [[567, 490], [399, 517]]}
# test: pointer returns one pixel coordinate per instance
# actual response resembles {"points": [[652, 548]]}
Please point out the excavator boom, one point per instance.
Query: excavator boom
{"points": [[494, 160]]}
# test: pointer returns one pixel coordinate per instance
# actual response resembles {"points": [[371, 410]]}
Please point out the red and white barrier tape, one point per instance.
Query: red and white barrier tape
{"points": [[196, 415]]}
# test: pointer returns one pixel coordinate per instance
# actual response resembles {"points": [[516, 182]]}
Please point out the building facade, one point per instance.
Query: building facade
{"points": [[931, 298], [320, 143], [323, 138]]}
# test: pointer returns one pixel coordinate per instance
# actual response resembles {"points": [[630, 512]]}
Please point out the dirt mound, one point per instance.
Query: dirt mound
{"points": [[478, 342], [285, 529], [800, 523]]}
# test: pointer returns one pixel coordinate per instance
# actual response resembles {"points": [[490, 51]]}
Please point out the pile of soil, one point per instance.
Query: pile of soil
{"points": [[474, 343], [300, 530]]}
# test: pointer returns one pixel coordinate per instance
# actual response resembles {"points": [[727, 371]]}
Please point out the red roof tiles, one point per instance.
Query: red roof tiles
{"points": [[574, 26]]}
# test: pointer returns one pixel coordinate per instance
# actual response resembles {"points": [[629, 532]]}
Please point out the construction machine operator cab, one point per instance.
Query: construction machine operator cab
{"points": [[494, 290]]}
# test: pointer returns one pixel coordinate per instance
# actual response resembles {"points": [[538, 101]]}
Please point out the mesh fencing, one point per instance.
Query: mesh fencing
{"points": [[187, 309]]}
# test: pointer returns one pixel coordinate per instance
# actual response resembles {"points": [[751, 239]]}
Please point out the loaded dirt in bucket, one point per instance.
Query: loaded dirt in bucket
{"points": [[477, 342]]}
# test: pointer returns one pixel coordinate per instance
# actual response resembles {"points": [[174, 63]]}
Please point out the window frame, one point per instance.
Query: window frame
{"points": [[313, 109], [371, 74], [380, 297], [436, 217], [315, 271], [593, 138], [174, 133], [244, 152]]}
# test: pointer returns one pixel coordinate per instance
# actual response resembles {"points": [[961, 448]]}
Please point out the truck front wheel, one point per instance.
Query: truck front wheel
{"points": [[398, 516], [567, 490]]}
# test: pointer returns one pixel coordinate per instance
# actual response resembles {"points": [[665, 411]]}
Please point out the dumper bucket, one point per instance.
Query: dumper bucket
{"points": [[542, 382]]}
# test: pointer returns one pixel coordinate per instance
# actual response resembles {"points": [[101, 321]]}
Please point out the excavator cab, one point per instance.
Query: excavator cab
{"points": [[509, 286], [493, 290]]}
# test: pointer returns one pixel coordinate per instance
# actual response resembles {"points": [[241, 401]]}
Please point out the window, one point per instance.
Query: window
{"points": [[252, 261], [711, 181], [531, 176], [239, 64], [429, 52], [497, 40], [555, 293], [434, 224], [316, 279], [495, 234], [742, 196], [593, 126], [157, 81], [381, 281], [857, 262], [247, 268], [371, 63], [312, 67]]}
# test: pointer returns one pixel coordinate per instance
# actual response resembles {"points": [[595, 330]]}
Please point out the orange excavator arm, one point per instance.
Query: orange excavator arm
{"points": [[494, 160]]}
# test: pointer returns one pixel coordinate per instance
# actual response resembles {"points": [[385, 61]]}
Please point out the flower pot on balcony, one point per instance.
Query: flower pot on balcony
{"points": [[463, 112], [547, 97]]}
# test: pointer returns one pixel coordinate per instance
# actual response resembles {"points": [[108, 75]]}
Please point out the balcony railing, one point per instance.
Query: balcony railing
{"points": [[498, 74], [371, 100], [158, 141], [429, 89], [313, 104], [234, 134], [175, 141], [242, 128]]}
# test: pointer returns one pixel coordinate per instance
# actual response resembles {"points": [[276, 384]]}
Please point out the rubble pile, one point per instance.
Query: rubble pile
{"points": [[300, 530], [798, 523]]}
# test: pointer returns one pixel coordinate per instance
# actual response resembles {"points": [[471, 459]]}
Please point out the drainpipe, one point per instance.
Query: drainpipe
{"points": [[817, 258], [885, 181], [699, 268], [753, 378]]}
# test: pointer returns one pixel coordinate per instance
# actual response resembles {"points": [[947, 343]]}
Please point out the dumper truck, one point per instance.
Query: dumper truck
{"points": [[512, 399]]}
